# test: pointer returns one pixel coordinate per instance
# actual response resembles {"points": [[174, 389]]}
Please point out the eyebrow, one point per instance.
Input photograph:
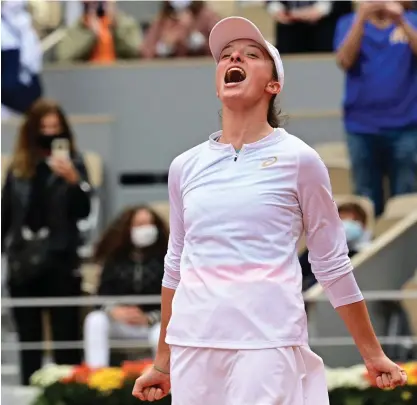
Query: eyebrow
{"points": [[249, 46]]}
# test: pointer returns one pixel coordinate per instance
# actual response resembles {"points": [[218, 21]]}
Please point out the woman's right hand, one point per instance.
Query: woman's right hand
{"points": [[152, 386]]}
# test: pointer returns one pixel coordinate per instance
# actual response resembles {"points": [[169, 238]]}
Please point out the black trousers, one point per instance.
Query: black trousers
{"points": [[60, 281], [306, 38]]}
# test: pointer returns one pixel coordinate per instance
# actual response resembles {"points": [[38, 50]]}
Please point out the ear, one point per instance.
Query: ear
{"points": [[273, 87]]}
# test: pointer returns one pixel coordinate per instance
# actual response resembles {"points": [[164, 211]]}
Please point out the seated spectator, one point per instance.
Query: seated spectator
{"points": [[21, 56], [354, 221], [306, 26], [45, 194], [132, 253], [377, 48], [103, 34], [182, 29]]}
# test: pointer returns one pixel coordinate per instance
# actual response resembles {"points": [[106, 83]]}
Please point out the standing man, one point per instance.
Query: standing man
{"points": [[377, 48]]}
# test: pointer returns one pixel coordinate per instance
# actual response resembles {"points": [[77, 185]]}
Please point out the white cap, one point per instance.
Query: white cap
{"points": [[232, 28]]}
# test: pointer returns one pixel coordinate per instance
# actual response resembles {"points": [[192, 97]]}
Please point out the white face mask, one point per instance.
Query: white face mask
{"points": [[144, 236], [179, 5]]}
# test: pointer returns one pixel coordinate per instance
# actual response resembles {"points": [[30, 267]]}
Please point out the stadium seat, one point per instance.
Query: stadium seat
{"points": [[162, 209], [340, 176], [396, 209], [88, 226], [400, 206], [5, 162], [332, 150]]}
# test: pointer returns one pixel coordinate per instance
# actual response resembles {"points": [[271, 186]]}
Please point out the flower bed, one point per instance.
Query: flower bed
{"points": [[64, 385]]}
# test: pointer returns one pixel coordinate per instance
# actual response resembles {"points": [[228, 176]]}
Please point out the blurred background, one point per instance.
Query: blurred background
{"points": [[97, 100]]}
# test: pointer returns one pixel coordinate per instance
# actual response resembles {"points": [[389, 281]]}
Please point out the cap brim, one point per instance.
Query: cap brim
{"points": [[233, 28]]}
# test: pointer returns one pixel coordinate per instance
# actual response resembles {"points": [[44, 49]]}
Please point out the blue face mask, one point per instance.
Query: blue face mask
{"points": [[353, 230]]}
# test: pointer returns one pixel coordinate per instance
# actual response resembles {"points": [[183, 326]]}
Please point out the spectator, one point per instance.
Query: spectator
{"points": [[354, 220], [44, 197], [377, 47], [181, 29], [132, 253], [21, 57], [306, 26], [102, 35]]}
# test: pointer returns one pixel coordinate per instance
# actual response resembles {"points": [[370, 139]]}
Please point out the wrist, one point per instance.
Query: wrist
{"points": [[162, 361], [371, 353], [161, 370]]}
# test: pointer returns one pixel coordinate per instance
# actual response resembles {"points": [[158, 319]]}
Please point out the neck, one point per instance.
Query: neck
{"points": [[244, 126]]}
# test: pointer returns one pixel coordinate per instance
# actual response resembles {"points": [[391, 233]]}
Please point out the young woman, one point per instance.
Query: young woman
{"points": [[44, 197], [237, 330], [181, 29], [132, 252]]}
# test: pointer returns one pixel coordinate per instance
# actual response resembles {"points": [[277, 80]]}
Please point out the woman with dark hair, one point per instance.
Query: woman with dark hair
{"points": [[181, 29], [132, 253], [231, 292], [45, 194]]}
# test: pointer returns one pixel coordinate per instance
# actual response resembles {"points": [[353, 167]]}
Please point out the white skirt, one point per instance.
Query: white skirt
{"points": [[282, 376]]}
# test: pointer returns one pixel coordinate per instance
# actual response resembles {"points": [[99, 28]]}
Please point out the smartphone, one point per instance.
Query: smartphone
{"points": [[60, 149]]}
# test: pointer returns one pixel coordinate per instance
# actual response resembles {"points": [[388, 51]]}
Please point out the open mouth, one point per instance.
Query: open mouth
{"points": [[234, 75]]}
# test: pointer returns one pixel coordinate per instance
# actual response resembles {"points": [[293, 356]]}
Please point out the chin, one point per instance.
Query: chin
{"points": [[235, 97]]}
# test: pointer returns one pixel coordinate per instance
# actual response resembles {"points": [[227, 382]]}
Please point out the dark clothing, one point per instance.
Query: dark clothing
{"points": [[127, 276], [308, 276], [65, 322], [375, 157], [48, 201], [303, 37]]}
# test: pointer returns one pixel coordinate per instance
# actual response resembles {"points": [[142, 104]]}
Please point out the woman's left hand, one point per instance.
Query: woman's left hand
{"points": [[65, 169]]}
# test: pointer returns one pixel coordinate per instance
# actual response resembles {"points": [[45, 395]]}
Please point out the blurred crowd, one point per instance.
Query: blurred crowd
{"points": [[47, 191]]}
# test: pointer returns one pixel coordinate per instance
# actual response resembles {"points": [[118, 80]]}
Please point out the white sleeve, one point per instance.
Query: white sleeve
{"points": [[172, 276], [325, 236]]}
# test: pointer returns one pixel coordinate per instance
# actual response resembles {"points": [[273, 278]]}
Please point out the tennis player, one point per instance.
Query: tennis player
{"points": [[234, 328]]}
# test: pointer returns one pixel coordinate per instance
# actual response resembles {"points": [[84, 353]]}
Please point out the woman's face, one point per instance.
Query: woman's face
{"points": [[143, 232], [244, 74], [50, 125]]}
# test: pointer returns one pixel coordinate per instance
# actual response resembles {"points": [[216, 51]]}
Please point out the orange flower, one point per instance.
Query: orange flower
{"points": [[132, 369]]}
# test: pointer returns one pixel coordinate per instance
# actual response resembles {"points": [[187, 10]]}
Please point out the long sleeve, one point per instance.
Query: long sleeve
{"points": [[80, 194], [127, 37], [172, 276], [77, 44], [151, 39], [6, 210], [325, 236]]}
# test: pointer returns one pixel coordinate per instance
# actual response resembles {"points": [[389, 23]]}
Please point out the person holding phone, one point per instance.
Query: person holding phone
{"points": [[103, 34], [46, 193]]}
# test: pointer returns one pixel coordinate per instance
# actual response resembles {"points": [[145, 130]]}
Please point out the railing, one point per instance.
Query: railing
{"points": [[156, 299]]}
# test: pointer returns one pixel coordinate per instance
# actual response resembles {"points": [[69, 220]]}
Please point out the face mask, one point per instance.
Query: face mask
{"points": [[45, 141], [144, 236], [179, 5], [353, 230]]}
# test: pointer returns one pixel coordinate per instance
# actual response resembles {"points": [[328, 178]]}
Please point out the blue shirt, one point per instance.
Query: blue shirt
{"points": [[381, 87]]}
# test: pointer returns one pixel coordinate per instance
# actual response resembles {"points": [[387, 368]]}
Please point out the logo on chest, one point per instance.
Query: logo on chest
{"points": [[269, 162]]}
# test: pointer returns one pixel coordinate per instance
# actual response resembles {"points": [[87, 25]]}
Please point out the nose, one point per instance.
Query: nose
{"points": [[235, 56]]}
